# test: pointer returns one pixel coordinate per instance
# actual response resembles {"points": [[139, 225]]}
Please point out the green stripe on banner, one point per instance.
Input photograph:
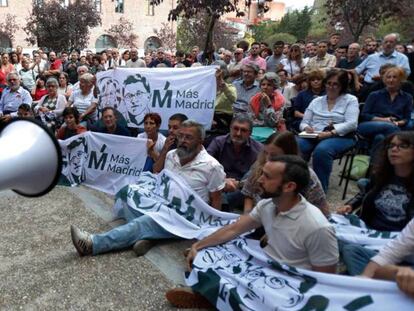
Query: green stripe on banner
{"points": [[359, 303]]}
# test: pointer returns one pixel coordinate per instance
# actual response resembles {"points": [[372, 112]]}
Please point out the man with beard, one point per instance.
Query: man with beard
{"points": [[298, 233], [192, 162], [236, 151], [174, 124], [13, 96]]}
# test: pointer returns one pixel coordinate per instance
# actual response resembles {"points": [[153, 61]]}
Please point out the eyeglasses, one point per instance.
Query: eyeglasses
{"points": [[403, 146], [238, 128], [185, 137]]}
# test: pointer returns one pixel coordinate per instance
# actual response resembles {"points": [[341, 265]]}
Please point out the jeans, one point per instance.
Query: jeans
{"points": [[234, 200], [139, 227], [324, 153], [376, 131], [356, 257]]}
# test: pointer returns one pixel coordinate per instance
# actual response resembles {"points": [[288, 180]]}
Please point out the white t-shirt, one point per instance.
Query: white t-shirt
{"points": [[82, 102], [204, 174], [291, 66], [159, 144], [301, 237]]}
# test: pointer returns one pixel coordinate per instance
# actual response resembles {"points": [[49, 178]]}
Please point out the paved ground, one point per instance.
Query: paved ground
{"points": [[40, 269]]}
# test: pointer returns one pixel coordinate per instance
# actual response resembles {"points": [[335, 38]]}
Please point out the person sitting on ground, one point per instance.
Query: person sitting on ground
{"points": [[110, 124], [12, 97], [50, 107], [174, 124], [155, 140], [386, 111], [71, 126], [236, 151], [384, 264], [283, 143], [298, 233], [266, 107], [304, 98], [84, 100], [190, 160], [334, 119], [40, 89], [25, 111], [388, 199]]}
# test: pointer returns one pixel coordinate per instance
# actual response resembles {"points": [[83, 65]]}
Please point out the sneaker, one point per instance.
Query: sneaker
{"points": [[141, 247], [81, 240], [185, 298]]}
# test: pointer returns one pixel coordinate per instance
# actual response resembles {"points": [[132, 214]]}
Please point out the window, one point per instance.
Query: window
{"points": [[3, 3], [150, 10], [98, 5], [119, 8]]}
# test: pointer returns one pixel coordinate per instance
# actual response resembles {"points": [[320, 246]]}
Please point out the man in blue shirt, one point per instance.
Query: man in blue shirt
{"points": [[110, 124], [246, 88], [13, 96], [371, 65]]}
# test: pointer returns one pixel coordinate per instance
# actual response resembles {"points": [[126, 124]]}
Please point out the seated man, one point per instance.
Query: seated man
{"points": [[174, 124], [298, 233], [236, 152], [246, 88], [12, 97], [25, 111], [192, 162], [110, 124], [383, 265]]}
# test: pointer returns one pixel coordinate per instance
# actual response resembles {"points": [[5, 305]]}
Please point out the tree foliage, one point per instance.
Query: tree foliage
{"points": [[167, 36], [59, 27], [9, 26], [295, 23], [123, 33], [357, 15], [213, 8], [191, 32]]}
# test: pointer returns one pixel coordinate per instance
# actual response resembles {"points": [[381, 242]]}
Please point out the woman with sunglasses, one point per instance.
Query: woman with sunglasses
{"points": [[388, 199], [332, 119], [293, 63]]}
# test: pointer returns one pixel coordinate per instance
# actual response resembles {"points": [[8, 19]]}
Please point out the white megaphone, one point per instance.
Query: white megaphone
{"points": [[30, 158]]}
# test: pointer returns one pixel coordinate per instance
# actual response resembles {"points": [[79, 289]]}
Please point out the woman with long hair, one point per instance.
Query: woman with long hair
{"points": [[282, 143], [388, 199], [64, 88], [293, 63]]}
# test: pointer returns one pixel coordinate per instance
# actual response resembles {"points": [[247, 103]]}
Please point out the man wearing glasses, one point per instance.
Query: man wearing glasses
{"points": [[13, 96], [236, 151], [190, 161]]}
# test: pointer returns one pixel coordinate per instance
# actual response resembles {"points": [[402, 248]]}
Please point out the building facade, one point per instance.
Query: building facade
{"points": [[144, 16]]}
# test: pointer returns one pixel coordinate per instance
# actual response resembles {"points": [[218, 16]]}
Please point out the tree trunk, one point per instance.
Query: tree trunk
{"points": [[208, 53]]}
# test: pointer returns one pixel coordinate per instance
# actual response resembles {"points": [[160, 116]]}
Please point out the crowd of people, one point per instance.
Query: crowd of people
{"points": [[275, 111]]}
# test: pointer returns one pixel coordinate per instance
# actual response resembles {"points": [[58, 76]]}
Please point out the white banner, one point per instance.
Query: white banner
{"points": [[102, 161], [240, 276], [137, 91]]}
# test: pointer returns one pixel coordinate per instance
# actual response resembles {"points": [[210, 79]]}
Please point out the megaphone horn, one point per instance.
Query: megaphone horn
{"points": [[30, 158]]}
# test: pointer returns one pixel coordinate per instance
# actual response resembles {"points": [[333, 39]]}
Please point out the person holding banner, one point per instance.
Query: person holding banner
{"points": [[72, 128], [299, 234], [155, 140], [190, 160], [110, 123]]}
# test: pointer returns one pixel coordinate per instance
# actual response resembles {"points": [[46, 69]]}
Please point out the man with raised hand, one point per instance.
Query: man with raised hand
{"points": [[190, 160]]}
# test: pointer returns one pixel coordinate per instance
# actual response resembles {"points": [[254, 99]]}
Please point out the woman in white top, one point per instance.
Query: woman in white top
{"points": [[332, 118], [64, 87], [293, 63], [84, 100], [155, 142]]}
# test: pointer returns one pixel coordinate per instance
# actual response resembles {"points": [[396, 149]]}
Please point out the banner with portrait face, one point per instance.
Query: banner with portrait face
{"points": [[135, 92], [102, 161]]}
